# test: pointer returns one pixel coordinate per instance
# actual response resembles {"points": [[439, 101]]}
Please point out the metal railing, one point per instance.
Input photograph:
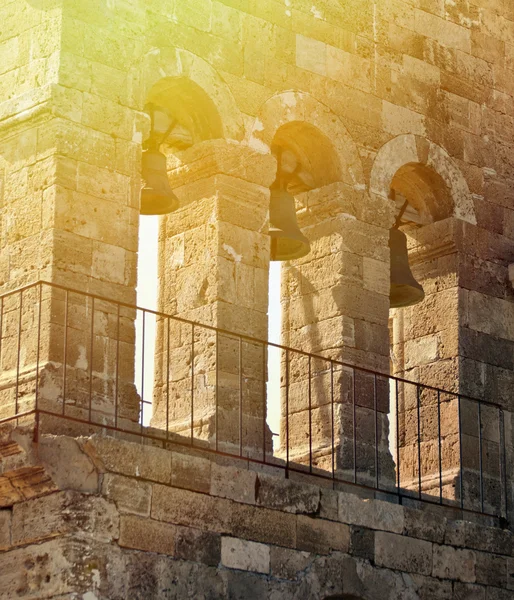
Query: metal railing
{"points": [[70, 357]]}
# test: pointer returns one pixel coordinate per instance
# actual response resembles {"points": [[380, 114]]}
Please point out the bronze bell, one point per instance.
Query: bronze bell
{"points": [[157, 197], [405, 290], [287, 241]]}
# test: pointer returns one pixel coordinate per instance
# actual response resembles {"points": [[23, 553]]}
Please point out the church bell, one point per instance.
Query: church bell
{"points": [[157, 197], [287, 241], [405, 290]]}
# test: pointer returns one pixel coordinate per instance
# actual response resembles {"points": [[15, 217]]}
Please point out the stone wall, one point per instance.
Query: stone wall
{"points": [[131, 521]]}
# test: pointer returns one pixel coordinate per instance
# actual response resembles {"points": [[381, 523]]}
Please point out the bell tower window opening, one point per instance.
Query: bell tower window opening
{"points": [[157, 199]]}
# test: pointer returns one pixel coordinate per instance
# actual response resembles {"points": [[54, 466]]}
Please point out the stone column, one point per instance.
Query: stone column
{"points": [[70, 162], [336, 303], [213, 269]]}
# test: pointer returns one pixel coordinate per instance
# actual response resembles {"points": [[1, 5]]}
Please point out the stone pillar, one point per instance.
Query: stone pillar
{"points": [[71, 176], [336, 303], [213, 269]]}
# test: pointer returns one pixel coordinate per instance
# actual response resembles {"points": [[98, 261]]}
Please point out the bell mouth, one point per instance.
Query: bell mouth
{"points": [[403, 295], [288, 248], [153, 204]]}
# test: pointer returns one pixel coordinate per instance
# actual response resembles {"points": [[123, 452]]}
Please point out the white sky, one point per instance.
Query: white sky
{"points": [[147, 298]]}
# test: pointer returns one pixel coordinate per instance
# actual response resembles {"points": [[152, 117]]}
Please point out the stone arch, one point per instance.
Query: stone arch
{"points": [[423, 169], [205, 99], [319, 137]]}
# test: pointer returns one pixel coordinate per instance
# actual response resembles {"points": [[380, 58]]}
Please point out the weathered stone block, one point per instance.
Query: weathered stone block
{"points": [[5, 529], [320, 537], [191, 472], [374, 514], [402, 553], [236, 484], [129, 494], [198, 546], [63, 513], [133, 460], [147, 535], [287, 495], [287, 563], [452, 563], [244, 555]]}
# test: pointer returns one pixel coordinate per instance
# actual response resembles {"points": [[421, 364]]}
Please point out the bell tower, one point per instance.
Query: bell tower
{"points": [[365, 147]]}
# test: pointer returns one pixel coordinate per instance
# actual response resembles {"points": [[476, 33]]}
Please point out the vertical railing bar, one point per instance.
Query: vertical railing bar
{"points": [[18, 361], [461, 484], [503, 461], [354, 428], [117, 381], [264, 401], [216, 391], [287, 414], [65, 353], [375, 404], [440, 447], [91, 348], [418, 394], [332, 421], [310, 414], [192, 433], [397, 436], [240, 397], [143, 335], [38, 351], [480, 458]]}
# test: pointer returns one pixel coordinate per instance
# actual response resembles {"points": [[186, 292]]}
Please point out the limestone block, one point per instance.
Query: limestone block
{"points": [[5, 529], [446, 33], [287, 563], [456, 564], [467, 591], [287, 495], [129, 494], [320, 537], [48, 565], [198, 546], [191, 472], [182, 507], [62, 513], [133, 460], [311, 55], [491, 569], [362, 543], [373, 514], [66, 463], [348, 68], [245, 556], [147, 535], [263, 525], [424, 525], [402, 553], [236, 484]]}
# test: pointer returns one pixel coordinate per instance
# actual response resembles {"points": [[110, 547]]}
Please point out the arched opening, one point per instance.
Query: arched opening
{"points": [[423, 338], [309, 162], [192, 118]]}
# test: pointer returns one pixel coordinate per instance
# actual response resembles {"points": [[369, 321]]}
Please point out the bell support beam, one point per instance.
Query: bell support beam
{"points": [[213, 269], [336, 303]]}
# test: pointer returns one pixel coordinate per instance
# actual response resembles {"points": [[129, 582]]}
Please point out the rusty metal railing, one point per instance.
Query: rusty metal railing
{"points": [[71, 358]]}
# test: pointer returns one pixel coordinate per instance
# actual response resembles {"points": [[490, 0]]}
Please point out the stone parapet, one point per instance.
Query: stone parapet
{"points": [[240, 530]]}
